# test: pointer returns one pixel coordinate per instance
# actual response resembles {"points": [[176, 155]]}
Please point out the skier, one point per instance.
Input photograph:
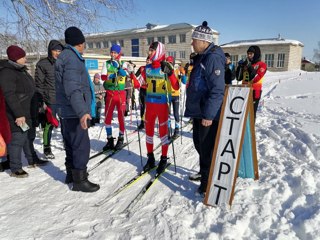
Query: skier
{"points": [[114, 78], [158, 75]]}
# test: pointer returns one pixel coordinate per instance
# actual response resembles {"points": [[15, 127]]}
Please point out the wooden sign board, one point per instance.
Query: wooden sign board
{"points": [[236, 108]]}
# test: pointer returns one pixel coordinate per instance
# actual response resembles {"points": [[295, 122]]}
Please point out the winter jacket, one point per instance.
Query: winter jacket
{"points": [[252, 72], [230, 73], [44, 75], [99, 91], [206, 85], [74, 88], [4, 123], [18, 89]]}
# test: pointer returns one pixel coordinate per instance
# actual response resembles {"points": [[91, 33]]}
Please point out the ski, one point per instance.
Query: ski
{"points": [[99, 153], [146, 187], [111, 153], [124, 186]]}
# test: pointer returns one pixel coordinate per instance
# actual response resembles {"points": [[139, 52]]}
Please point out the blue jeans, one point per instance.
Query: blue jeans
{"points": [[19, 142]]}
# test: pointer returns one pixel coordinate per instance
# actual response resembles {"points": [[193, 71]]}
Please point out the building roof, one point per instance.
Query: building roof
{"points": [[147, 29], [267, 41]]}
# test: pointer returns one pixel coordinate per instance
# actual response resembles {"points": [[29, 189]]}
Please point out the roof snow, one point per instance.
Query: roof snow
{"points": [[268, 41]]}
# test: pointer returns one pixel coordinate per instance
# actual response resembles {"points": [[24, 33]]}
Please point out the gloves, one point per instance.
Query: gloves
{"points": [[130, 68], [167, 68]]}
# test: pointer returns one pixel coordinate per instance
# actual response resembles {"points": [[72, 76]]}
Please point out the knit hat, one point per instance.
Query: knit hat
{"points": [[227, 55], [115, 48], [15, 53], [203, 32], [74, 36], [97, 75], [170, 59]]}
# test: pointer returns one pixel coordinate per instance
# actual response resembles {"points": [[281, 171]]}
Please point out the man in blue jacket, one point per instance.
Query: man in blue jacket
{"points": [[76, 107], [205, 94]]}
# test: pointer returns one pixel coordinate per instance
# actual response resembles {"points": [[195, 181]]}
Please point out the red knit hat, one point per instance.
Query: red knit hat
{"points": [[14, 53]]}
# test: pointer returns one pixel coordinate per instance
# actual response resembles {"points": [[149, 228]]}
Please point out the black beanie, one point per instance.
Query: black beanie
{"points": [[257, 53], [74, 36]]}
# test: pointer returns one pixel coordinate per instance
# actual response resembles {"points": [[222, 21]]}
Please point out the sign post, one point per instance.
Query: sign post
{"points": [[236, 122]]}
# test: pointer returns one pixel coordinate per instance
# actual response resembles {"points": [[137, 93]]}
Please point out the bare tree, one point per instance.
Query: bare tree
{"points": [[32, 20]]}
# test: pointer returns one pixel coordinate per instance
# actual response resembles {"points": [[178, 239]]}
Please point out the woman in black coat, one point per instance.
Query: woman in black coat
{"points": [[18, 89]]}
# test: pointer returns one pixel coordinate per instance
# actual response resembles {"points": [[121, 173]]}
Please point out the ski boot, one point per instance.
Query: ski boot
{"points": [[109, 145], [175, 133], [150, 163], [119, 143], [162, 164]]}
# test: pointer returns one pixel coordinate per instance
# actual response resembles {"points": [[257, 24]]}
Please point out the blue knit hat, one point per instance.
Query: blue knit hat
{"points": [[115, 48]]}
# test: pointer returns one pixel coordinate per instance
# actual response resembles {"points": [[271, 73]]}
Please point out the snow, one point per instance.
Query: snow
{"points": [[283, 204]]}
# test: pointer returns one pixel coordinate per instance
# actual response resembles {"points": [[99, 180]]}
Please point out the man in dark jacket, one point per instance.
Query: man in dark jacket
{"points": [[76, 107], [205, 94], [45, 83]]}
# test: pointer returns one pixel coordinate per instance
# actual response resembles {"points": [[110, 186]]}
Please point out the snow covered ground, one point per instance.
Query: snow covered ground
{"points": [[283, 204]]}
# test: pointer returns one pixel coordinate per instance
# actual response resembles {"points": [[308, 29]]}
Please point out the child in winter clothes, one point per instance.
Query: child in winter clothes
{"points": [[114, 78], [158, 76], [251, 71], [99, 94]]}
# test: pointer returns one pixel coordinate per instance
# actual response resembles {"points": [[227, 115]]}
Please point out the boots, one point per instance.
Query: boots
{"points": [[47, 152], [141, 126], [162, 164], [81, 182], [69, 178], [150, 163], [109, 145], [4, 166], [119, 143]]}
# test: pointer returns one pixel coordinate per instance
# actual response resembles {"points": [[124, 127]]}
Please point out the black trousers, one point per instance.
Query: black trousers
{"points": [[77, 144], [204, 140]]}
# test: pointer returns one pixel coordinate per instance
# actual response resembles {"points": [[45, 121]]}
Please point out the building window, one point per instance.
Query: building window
{"points": [[121, 43], [113, 42], [234, 59], [90, 45], [150, 40], [182, 54], [98, 44], [172, 39], [135, 47], [161, 39], [280, 63], [269, 60], [183, 38], [172, 53], [105, 44]]}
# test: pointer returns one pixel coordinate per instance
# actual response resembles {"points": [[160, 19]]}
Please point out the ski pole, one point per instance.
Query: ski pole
{"points": [[173, 152], [135, 107]]}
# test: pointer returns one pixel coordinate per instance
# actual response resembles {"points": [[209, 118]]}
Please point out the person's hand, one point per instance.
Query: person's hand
{"points": [[20, 121], [85, 120], [206, 123], [166, 67]]}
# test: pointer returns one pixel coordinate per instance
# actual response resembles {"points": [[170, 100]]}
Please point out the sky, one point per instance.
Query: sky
{"points": [[234, 20], [283, 204]]}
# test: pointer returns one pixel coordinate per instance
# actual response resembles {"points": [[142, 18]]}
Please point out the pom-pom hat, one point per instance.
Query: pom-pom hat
{"points": [[203, 32]]}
